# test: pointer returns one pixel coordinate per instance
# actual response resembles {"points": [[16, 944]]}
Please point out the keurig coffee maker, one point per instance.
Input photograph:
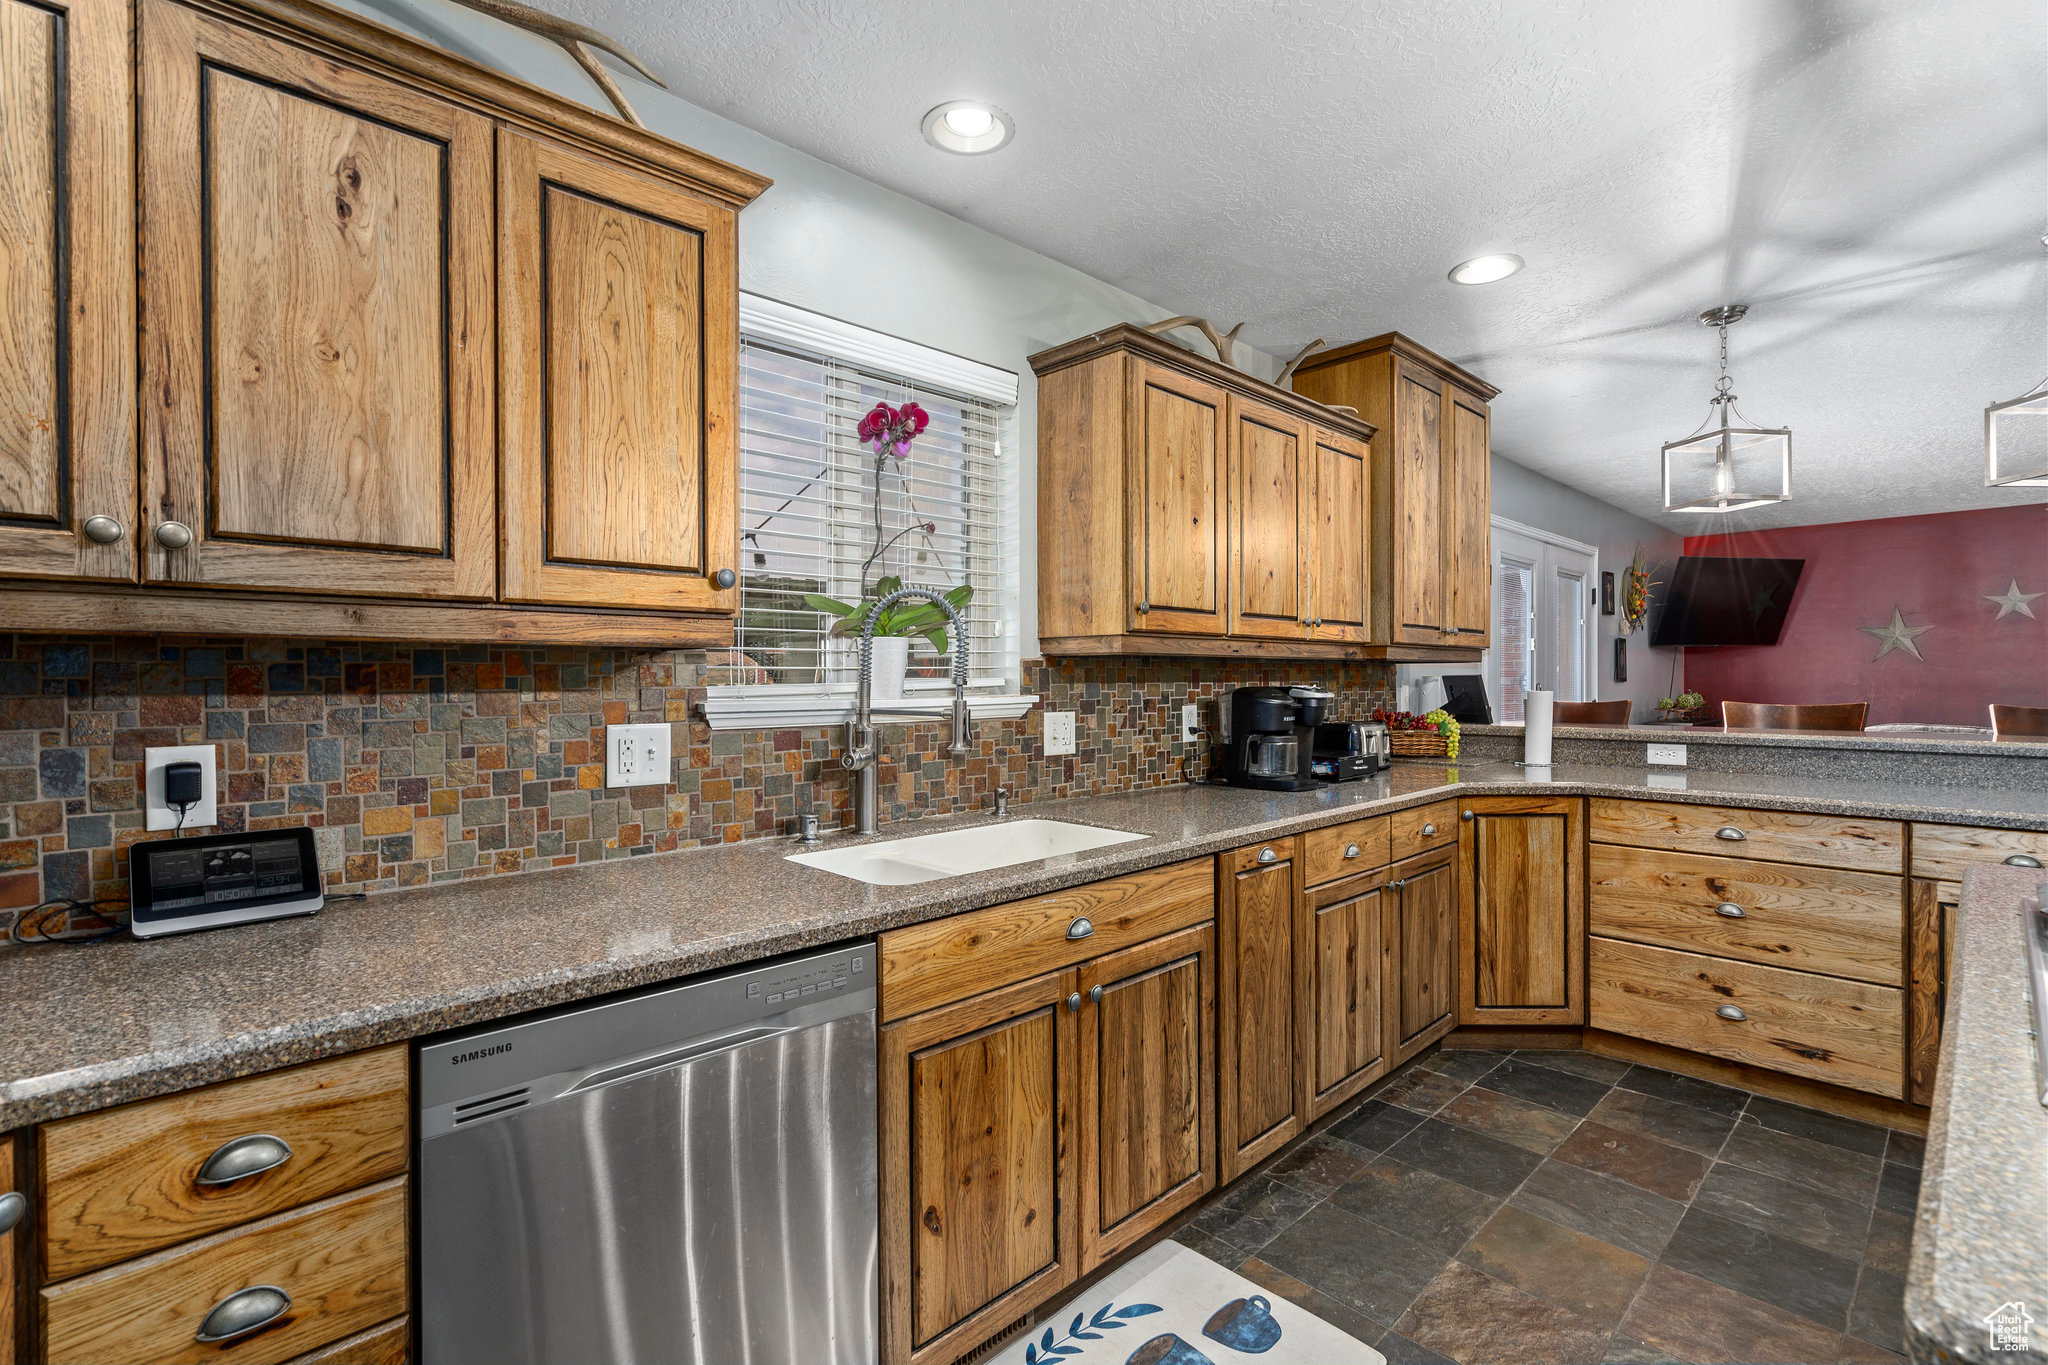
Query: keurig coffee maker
{"points": [[1270, 743]]}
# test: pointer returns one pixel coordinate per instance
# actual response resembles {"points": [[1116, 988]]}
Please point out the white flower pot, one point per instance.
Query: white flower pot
{"points": [[891, 660]]}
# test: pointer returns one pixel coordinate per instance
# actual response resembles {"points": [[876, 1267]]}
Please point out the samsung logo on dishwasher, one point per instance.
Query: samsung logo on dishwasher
{"points": [[459, 1058]]}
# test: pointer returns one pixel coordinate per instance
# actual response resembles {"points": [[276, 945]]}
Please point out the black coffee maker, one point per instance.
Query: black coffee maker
{"points": [[1269, 739]]}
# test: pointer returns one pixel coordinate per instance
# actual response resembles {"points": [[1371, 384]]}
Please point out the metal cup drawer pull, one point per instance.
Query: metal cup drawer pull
{"points": [[1732, 1012], [239, 1158], [1731, 834], [1351, 850], [13, 1207], [1731, 910], [242, 1312], [2022, 860], [1428, 830], [1082, 927], [1267, 855]]}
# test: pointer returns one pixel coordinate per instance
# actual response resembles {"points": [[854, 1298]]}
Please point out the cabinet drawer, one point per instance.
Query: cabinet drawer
{"points": [[126, 1181], [949, 959], [1848, 1033], [1814, 919], [342, 1262], [1778, 836], [1341, 850], [388, 1343], [1423, 828], [1943, 853]]}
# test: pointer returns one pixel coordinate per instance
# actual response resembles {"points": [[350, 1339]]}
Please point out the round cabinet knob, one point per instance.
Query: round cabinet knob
{"points": [[103, 530], [1351, 850], [239, 1158], [1732, 1012], [1267, 855], [1731, 834], [1466, 815], [1428, 830], [1731, 910], [13, 1206], [725, 578], [2022, 860], [242, 1312], [1095, 995], [1144, 607], [173, 535], [1074, 1002]]}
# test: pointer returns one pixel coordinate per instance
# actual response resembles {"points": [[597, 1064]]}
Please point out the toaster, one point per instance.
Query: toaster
{"points": [[1349, 750]]}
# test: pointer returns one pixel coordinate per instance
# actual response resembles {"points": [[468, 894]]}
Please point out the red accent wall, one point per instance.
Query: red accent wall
{"points": [[1937, 571]]}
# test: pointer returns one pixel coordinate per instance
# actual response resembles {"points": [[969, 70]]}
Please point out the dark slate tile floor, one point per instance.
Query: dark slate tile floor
{"points": [[1490, 1208]]}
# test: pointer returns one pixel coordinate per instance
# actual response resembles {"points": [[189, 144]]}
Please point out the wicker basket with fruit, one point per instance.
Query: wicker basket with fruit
{"points": [[1411, 736]]}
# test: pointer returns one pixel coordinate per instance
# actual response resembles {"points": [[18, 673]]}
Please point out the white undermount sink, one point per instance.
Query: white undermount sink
{"points": [[929, 857]]}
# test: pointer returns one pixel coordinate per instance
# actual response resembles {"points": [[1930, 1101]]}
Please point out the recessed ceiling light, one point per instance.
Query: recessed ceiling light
{"points": [[1485, 269], [968, 127]]}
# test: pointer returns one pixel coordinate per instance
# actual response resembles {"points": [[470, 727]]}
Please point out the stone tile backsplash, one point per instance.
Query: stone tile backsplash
{"points": [[418, 765]]}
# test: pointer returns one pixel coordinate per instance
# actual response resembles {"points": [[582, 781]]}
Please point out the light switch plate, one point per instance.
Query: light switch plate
{"points": [[635, 755], [157, 815], [1190, 721], [1059, 733], [1668, 755]]}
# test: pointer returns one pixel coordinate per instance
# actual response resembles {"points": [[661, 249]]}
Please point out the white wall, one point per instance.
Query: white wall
{"points": [[825, 239]]}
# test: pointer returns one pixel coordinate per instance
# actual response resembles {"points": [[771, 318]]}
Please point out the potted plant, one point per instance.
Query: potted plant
{"points": [[895, 628], [1679, 709]]}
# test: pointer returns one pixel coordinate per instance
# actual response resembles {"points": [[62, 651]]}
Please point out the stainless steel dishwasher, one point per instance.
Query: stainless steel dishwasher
{"points": [[683, 1174]]}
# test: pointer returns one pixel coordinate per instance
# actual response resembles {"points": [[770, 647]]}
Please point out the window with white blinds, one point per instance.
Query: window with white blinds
{"points": [[810, 522]]}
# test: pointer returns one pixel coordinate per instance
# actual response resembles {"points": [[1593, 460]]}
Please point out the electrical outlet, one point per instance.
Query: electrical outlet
{"points": [[1059, 733], [1190, 721], [635, 755], [1668, 755], [157, 815]]}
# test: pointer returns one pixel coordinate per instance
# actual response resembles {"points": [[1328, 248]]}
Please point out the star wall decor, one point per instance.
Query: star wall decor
{"points": [[1897, 635], [2012, 601]]}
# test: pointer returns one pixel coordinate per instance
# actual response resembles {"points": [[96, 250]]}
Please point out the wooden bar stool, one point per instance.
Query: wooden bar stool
{"points": [[1590, 713], [1763, 715], [2019, 722]]}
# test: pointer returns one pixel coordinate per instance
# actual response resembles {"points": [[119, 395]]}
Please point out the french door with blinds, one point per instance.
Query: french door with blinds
{"points": [[1544, 628], [810, 521]]}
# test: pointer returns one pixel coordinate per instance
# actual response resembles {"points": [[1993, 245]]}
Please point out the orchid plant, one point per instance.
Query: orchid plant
{"points": [[890, 430]]}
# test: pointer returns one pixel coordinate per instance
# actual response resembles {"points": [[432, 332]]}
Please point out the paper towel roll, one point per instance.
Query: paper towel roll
{"points": [[1536, 727]]}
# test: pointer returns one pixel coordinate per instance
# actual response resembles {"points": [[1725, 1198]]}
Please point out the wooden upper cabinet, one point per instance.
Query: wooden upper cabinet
{"points": [[67, 309], [1270, 455], [1430, 497], [1523, 917], [318, 369], [620, 334], [1178, 438], [1340, 539]]}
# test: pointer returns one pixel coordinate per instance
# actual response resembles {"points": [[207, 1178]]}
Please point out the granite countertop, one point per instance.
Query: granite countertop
{"points": [[83, 1027], [1954, 741], [1980, 1234]]}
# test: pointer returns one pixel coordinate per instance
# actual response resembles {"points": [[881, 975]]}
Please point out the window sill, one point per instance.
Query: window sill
{"points": [[792, 708]]}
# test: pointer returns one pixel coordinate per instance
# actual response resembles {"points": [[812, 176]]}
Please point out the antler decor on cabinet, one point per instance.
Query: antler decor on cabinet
{"points": [[1226, 343], [577, 40]]}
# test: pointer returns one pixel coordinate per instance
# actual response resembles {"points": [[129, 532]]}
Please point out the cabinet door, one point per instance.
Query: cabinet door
{"points": [[14, 1179], [1523, 914], [1345, 939], [1340, 539], [1418, 526], [319, 355], [1931, 909], [1148, 1084], [977, 1185], [1269, 459], [1419, 1008], [1467, 520], [1176, 489], [67, 295], [1258, 1018], [620, 338]]}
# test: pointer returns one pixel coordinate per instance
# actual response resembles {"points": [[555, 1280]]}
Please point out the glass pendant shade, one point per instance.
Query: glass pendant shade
{"points": [[2016, 442], [1727, 469]]}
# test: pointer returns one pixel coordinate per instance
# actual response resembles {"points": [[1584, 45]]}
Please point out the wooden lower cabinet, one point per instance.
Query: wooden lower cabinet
{"points": [[1347, 933], [1422, 986], [13, 1251], [1258, 1103], [1523, 911]]}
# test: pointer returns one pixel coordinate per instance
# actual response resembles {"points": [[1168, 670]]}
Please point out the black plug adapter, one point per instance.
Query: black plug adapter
{"points": [[184, 786]]}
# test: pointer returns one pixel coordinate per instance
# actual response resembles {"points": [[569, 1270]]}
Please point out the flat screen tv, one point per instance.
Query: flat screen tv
{"points": [[1715, 601]]}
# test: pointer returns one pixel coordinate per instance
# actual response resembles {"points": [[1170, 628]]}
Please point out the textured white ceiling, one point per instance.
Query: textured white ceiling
{"points": [[1871, 176]]}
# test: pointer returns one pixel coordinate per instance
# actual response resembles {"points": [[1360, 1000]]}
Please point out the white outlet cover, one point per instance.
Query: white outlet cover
{"points": [[1190, 721], [157, 815], [1059, 733], [636, 755], [1667, 755]]}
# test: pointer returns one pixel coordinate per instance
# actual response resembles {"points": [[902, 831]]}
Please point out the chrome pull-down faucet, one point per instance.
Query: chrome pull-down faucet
{"points": [[859, 756]]}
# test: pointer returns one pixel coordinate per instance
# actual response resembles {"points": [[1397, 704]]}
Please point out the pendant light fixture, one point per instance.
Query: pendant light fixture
{"points": [[1732, 466], [2022, 425]]}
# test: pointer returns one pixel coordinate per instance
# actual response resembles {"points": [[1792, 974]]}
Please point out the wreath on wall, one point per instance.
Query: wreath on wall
{"points": [[1635, 591]]}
